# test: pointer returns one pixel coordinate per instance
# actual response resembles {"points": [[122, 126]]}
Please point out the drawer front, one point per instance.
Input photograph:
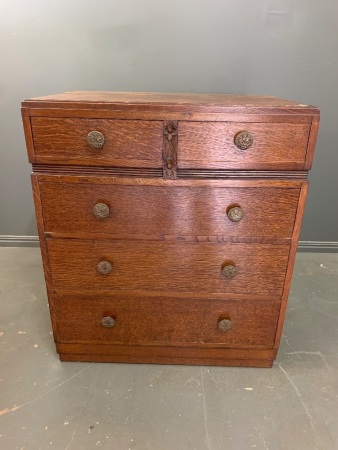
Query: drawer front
{"points": [[165, 321], [168, 211], [162, 266], [212, 145], [128, 143]]}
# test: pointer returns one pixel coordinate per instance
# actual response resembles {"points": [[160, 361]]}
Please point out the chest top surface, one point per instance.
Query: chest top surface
{"points": [[153, 100]]}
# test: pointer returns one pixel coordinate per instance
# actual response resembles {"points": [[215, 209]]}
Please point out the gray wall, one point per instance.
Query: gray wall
{"points": [[276, 47]]}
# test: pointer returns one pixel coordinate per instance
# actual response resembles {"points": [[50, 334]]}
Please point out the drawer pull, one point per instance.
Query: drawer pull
{"points": [[101, 210], [108, 322], [95, 139], [229, 271], [243, 140], [235, 214], [104, 267], [224, 325]]}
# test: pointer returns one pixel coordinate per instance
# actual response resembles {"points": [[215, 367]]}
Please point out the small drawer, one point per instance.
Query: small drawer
{"points": [[160, 266], [235, 145], [168, 211], [169, 321], [105, 142]]}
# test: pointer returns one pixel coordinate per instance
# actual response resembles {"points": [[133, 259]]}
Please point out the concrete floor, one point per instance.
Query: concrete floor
{"points": [[48, 404]]}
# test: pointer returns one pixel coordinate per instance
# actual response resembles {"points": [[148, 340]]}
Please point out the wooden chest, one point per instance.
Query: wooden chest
{"points": [[168, 223]]}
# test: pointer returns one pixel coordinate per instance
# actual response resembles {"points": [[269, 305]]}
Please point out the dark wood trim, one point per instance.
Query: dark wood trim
{"points": [[92, 179], [183, 239], [62, 169], [163, 113], [239, 174], [166, 355]]}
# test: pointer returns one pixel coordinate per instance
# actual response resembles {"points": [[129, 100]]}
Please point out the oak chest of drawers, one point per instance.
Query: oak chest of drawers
{"points": [[168, 223]]}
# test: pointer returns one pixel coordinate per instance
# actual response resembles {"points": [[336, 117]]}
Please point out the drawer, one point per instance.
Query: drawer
{"points": [[128, 143], [167, 321], [212, 145], [70, 208], [162, 266]]}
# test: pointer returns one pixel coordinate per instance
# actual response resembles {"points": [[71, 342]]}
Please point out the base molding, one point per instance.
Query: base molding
{"points": [[19, 241], [303, 246], [318, 246], [148, 354]]}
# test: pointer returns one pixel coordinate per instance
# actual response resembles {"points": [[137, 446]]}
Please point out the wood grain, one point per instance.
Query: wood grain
{"points": [[127, 142], [162, 210], [129, 181], [168, 240], [193, 113], [211, 145], [167, 267], [167, 355], [167, 322]]}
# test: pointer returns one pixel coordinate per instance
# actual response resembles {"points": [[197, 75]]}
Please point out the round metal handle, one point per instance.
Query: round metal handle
{"points": [[235, 214], [95, 139], [104, 267], [243, 140], [108, 322], [101, 210], [224, 325], [229, 271]]}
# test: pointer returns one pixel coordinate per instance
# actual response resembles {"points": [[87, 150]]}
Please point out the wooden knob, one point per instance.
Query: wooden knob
{"points": [[235, 214], [101, 210], [108, 322], [243, 140], [104, 267], [224, 325], [95, 139], [229, 271]]}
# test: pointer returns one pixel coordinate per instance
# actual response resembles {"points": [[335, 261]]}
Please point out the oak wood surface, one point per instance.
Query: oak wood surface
{"points": [[128, 181], [211, 145], [127, 142], [139, 112], [167, 355], [168, 240], [167, 266], [144, 358], [166, 322], [170, 102], [162, 210]]}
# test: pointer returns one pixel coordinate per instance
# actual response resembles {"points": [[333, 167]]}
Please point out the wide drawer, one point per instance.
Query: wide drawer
{"points": [[212, 145], [70, 208], [169, 321], [163, 266], [128, 143]]}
